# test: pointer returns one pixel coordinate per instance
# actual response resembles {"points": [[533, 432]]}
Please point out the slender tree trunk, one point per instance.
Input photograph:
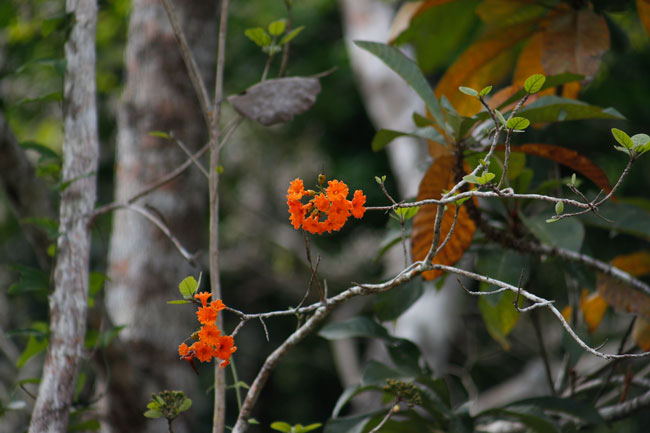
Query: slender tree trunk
{"points": [[69, 301], [144, 266]]}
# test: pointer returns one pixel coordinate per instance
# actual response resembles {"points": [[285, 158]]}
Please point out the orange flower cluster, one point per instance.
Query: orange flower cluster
{"points": [[326, 211], [210, 344]]}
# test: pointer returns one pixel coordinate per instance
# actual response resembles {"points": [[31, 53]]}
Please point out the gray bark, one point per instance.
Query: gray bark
{"points": [[144, 266], [68, 302]]}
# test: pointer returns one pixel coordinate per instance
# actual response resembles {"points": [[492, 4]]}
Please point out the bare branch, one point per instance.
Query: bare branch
{"points": [[190, 63]]}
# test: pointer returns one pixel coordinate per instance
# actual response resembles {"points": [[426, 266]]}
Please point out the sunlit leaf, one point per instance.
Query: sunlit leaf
{"points": [[593, 308], [276, 28], [291, 35], [259, 36], [534, 83], [439, 177], [518, 123], [188, 287]]}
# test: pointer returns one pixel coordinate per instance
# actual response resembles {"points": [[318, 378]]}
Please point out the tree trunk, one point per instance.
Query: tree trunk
{"points": [[69, 300], [144, 266]]}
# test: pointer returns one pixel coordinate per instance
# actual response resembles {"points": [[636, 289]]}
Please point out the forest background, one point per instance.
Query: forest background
{"points": [[263, 266]]}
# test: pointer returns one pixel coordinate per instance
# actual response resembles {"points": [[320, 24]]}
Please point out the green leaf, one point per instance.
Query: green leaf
{"points": [[292, 34], [160, 134], [391, 304], [627, 218], [49, 97], [185, 405], [84, 426], [485, 178], [622, 138], [579, 409], [188, 287], [153, 405], [276, 28], [385, 136], [407, 212], [307, 428], [29, 280], [568, 233], [179, 301], [471, 178], [559, 208], [50, 226], [501, 118], [468, 91], [410, 72], [356, 327], [376, 374], [281, 426], [35, 345], [552, 81], [153, 413], [259, 36], [485, 91], [349, 424], [554, 108], [534, 83], [519, 123], [421, 121]]}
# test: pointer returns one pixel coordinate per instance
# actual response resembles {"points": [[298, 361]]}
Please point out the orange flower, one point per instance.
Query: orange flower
{"points": [[357, 204], [206, 315], [210, 334], [203, 351], [183, 350], [336, 190], [226, 350], [203, 297], [217, 305], [327, 212]]}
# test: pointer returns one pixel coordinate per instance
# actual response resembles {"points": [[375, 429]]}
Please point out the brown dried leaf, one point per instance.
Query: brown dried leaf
{"points": [[437, 150], [643, 8], [593, 309], [278, 100], [635, 264], [623, 297], [641, 333], [570, 158], [439, 176], [575, 42]]}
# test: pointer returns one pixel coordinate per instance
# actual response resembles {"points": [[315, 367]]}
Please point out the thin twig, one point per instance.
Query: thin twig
{"points": [[189, 153], [190, 63], [386, 417]]}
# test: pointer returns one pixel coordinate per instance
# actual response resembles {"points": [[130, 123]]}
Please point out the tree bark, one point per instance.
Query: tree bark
{"points": [[144, 267], [69, 301]]}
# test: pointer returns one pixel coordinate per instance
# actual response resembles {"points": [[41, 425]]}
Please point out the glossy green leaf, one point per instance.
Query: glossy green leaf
{"points": [[185, 405], [410, 72], [567, 233], [579, 409], [385, 136], [299, 428], [559, 208], [518, 123], [393, 303], [622, 138], [554, 108], [534, 83], [356, 327], [640, 140]]}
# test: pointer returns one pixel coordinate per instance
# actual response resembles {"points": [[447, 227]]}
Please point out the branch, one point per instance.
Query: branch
{"points": [[190, 62], [626, 408]]}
